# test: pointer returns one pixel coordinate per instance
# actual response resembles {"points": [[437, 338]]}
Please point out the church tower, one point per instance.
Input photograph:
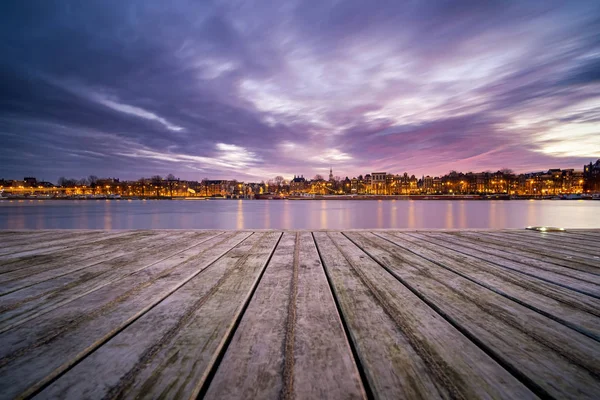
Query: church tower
{"points": [[330, 174]]}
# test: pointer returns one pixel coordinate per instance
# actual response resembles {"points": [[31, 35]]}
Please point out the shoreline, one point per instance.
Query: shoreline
{"points": [[315, 198]]}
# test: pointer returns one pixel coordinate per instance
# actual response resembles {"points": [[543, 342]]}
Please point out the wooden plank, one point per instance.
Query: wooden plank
{"points": [[556, 242], [99, 251], [10, 239], [253, 364], [542, 242], [406, 349], [591, 239], [29, 254], [588, 263], [572, 279], [550, 358], [323, 362], [558, 303], [18, 307], [36, 352], [172, 346], [73, 254], [567, 265], [565, 237], [297, 349], [591, 235], [59, 239]]}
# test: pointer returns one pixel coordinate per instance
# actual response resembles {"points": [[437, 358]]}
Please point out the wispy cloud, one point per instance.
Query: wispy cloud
{"points": [[136, 111]]}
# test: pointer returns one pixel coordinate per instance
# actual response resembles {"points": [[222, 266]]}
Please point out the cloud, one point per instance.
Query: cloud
{"points": [[137, 111], [134, 87]]}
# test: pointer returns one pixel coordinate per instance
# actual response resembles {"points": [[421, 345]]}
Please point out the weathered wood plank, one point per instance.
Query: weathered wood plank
{"points": [[10, 239], [253, 364], [20, 306], [552, 273], [574, 236], [104, 250], [58, 239], [28, 254], [305, 339], [592, 235], [553, 301], [323, 362], [36, 352], [72, 254], [567, 266], [172, 346], [556, 242], [407, 350], [554, 359], [588, 263]]}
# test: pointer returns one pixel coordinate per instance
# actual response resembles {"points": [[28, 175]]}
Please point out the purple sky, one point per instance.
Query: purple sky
{"points": [[254, 89]]}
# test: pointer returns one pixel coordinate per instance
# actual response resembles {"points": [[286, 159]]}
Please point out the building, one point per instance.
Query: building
{"points": [[591, 177], [30, 181], [427, 182], [298, 184], [378, 180]]}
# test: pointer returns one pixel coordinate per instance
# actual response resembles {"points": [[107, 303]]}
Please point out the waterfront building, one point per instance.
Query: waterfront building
{"points": [[378, 180], [591, 177], [428, 185], [298, 184]]}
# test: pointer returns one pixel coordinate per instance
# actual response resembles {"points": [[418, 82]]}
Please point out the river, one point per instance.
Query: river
{"points": [[289, 214]]}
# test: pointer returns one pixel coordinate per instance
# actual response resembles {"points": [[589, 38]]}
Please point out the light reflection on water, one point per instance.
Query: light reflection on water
{"points": [[288, 214]]}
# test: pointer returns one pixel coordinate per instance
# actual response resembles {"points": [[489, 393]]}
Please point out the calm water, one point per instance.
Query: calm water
{"points": [[288, 214]]}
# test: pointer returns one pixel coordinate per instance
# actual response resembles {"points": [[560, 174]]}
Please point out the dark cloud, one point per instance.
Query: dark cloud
{"points": [[253, 89]]}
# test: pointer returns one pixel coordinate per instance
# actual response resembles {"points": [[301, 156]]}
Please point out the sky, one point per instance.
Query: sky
{"points": [[254, 89]]}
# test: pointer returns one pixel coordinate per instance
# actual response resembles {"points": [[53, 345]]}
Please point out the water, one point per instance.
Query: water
{"points": [[289, 214]]}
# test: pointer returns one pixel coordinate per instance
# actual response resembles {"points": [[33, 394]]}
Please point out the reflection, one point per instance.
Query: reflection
{"points": [[493, 211], [449, 215], [324, 214], [267, 215], [323, 219], [18, 221], [412, 215], [107, 219], [531, 211], [462, 216], [287, 215], [240, 215], [346, 217]]}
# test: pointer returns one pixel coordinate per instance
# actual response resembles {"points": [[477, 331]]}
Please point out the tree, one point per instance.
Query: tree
{"points": [[205, 184], [318, 177], [171, 181], [143, 184], [157, 183], [93, 182]]}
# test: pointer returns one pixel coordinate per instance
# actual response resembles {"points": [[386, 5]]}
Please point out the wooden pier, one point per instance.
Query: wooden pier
{"points": [[510, 314]]}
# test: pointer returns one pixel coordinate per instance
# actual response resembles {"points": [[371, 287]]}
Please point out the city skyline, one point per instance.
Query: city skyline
{"points": [[252, 91], [592, 166]]}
